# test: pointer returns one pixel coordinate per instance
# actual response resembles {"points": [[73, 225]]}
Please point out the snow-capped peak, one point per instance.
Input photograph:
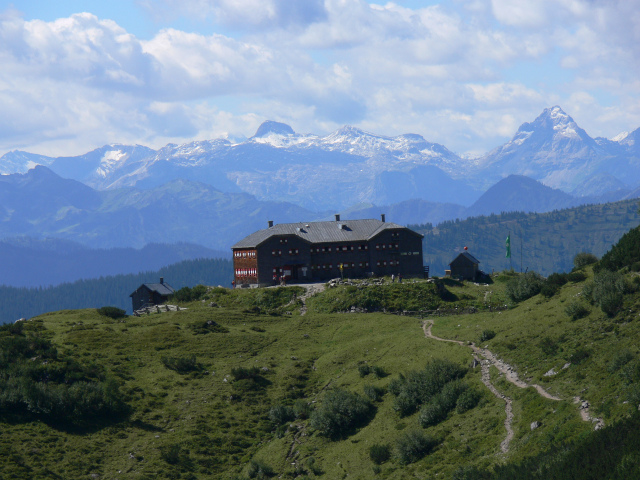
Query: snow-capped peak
{"points": [[620, 137]]}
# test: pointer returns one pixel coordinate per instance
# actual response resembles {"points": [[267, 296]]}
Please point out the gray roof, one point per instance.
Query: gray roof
{"points": [[468, 256], [160, 288], [323, 232]]}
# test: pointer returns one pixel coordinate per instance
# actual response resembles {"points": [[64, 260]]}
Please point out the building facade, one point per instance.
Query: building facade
{"points": [[319, 251], [465, 266], [149, 294]]}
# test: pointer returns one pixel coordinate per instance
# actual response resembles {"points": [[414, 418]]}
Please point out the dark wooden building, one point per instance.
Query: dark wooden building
{"points": [[316, 251], [149, 294], [465, 266]]}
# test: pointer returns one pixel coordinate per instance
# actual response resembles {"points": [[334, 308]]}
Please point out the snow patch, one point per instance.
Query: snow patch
{"points": [[621, 136]]}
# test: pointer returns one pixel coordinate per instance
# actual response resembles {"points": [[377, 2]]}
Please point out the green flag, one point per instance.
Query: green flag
{"points": [[507, 244]]}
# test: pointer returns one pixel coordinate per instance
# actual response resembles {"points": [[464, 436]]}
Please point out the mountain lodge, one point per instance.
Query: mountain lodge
{"points": [[149, 294], [318, 251]]}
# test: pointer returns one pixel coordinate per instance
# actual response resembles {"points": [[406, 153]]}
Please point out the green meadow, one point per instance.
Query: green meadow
{"points": [[239, 384]]}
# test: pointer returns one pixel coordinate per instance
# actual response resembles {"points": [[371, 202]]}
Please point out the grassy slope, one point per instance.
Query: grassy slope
{"points": [[198, 425]]}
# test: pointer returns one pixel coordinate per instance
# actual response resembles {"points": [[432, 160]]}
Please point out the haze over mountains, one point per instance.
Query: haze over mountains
{"points": [[213, 192]]}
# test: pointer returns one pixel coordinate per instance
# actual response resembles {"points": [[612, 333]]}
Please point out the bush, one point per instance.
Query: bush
{"points": [[378, 371], [548, 346], [374, 393], [583, 259], [620, 360], [302, 409], [364, 370], [186, 294], [340, 412], [468, 400], [576, 277], [432, 413], [607, 291], [579, 356], [112, 312], [259, 470], [487, 335], [242, 373], [202, 327], [182, 364], [549, 290], [441, 404], [379, 453], [524, 286], [413, 445], [470, 473], [417, 388], [576, 310], [281, 414]]}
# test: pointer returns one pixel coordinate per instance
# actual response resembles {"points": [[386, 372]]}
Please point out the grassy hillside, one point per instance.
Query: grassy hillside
{"points": [[547, 241], [228, 388]]}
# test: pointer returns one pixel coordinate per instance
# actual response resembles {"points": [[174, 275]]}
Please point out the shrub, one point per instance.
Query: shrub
{"points": [[432, 413], [470, 473], [242, 373], [259, 470], [203, 327], [441, 404], [378, 371], [413, 445], [524, 286], [302, 409], [549, 289], [631, 371], [579, 355], [186, 294], [576, 310], [467, 400], [487, 335], [340, 412], [607, 291], [281, 414], [112, 312], [620, 360], [576, 277], [182, 364], [548, 346], [364, 370], [417, 388], [374, 393], [583, 259], [379, 453]]}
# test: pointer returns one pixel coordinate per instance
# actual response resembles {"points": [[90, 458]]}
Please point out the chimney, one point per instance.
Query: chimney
{"points": [[383, 217], [337, 217], [270, 223], [161, 280]]}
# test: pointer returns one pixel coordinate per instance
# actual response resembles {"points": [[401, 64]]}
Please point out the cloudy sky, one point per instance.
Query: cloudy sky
{"points": [[76, 75]]}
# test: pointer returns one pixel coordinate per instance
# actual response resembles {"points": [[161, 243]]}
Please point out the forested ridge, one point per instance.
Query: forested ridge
{"points": [[114, 290], [546, 242]]}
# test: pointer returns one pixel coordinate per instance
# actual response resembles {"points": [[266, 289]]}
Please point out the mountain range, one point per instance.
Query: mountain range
{"points": [[350, 166], [211, 193]]}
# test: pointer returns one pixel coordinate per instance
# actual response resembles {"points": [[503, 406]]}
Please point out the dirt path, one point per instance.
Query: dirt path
{"points": [[488, 360], [310, 291]]}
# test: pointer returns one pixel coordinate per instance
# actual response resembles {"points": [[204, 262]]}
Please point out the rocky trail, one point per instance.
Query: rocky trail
{"points": [[310, 291], [486, 360]]}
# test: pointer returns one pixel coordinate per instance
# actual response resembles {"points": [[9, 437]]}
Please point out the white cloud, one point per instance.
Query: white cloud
{"points": [[449, 71]]}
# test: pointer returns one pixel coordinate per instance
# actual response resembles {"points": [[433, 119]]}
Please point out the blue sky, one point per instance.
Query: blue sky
{"points": [[464, 73]]}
